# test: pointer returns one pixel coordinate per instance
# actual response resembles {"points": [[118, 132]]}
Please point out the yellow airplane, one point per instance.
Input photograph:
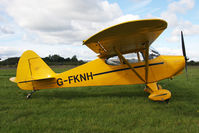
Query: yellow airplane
{"points": [[147, 66]]}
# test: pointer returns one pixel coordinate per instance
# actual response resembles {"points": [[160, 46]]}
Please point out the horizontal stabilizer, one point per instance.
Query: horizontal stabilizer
{"points": [[35, 80], [13, 79]]}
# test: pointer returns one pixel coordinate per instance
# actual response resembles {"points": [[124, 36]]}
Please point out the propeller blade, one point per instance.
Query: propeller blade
{"points": [[183, 46], [184, 53]]}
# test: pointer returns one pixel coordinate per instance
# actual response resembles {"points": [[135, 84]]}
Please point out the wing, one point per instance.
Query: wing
{"points": [[127, 37]]}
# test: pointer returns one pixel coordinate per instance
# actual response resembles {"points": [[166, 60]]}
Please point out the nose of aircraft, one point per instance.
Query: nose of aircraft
{"points": [[176, 64]]}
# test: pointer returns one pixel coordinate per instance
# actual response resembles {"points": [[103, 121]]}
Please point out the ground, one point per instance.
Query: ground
{"points": [[115, 109]]}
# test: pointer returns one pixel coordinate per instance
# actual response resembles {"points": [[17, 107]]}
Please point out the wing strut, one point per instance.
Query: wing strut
{"points": [[129, 65], [138, 55], [146, 62]]}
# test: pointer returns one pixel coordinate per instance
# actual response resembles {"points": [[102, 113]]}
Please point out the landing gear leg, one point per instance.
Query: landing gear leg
{"points": [[30, 94]]}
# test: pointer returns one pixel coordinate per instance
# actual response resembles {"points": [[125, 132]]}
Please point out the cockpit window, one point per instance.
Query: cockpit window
{"points": [[113, 61], [132, 57], [153, 53]]}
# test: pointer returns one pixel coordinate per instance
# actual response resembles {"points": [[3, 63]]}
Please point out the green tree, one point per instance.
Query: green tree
{"points": [[74, 59]]}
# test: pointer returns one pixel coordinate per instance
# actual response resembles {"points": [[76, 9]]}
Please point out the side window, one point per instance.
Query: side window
{"points": [[131, 58], [113, 61]]}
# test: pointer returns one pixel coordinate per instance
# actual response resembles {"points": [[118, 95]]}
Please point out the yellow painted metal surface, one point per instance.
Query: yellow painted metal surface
{"points": [[151, 87], [103, 74], [128, 64], [160, 95], [31, 68], [156, 92], [98, 73], [127, 37]]}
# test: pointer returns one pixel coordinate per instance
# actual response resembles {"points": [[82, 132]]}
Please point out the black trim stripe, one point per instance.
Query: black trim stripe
{"points": [[161, 95], [117, 70], [126, 69], [25, 81]]}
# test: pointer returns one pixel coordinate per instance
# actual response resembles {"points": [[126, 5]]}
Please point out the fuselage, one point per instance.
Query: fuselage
{"points": [[99, 73]]}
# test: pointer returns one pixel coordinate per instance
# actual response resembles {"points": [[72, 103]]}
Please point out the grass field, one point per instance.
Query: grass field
{"points": [[109, 109]]}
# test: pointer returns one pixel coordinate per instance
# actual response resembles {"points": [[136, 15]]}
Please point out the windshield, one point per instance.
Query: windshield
{"points": [[153, 53]]}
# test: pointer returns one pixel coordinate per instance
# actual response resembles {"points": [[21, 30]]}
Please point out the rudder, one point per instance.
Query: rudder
{"points": [[32, 68]]}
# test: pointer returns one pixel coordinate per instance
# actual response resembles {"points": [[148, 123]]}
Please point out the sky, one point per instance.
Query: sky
{"points": [[59, 26]]}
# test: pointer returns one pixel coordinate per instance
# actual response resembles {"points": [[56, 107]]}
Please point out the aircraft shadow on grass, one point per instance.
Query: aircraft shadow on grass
{"points": [[82, 94]]}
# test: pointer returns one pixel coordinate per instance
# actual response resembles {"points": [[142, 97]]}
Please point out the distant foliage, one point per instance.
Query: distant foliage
{"points": [[58, 60], [54, 58], [50, 60], [10, 61], [193, 63]]}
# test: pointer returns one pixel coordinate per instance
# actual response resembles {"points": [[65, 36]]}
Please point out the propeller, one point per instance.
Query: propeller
{"points": [[184, 52]]}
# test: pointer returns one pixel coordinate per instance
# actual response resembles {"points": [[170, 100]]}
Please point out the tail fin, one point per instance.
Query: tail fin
{"points": [[32, 68]]}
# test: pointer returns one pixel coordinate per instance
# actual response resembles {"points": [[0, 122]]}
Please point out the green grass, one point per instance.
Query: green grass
{"points": [[106, 109]]}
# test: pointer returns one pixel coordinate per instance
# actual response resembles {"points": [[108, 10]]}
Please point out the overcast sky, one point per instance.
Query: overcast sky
{"points": [[60, 26]]}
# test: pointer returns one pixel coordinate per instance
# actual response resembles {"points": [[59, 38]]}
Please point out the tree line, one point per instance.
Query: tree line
{"points": [[50, 60], [193, 63], [58, 60]]}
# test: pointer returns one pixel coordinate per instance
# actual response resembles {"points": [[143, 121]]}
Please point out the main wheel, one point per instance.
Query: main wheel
{"points": [[167, 101], [28, 96]]}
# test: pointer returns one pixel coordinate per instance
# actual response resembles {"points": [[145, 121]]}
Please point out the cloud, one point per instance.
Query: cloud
{"points": [[52, 22], [181, 6], [5, 26], [188, 29], [169, 51], [141, 3], [175, 8], [191, 54], [64, 21], [69, 22], [8, 52], [82, 53], [6, 29]]}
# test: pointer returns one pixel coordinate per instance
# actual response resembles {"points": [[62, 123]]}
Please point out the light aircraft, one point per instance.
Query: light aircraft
{"points": [[132, 37]]}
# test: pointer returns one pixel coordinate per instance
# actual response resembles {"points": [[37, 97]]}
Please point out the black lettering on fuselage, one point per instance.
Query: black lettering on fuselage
{"points": [[75, 78], [82, 77], [59, 82], [70, 79], [91, 75]]}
